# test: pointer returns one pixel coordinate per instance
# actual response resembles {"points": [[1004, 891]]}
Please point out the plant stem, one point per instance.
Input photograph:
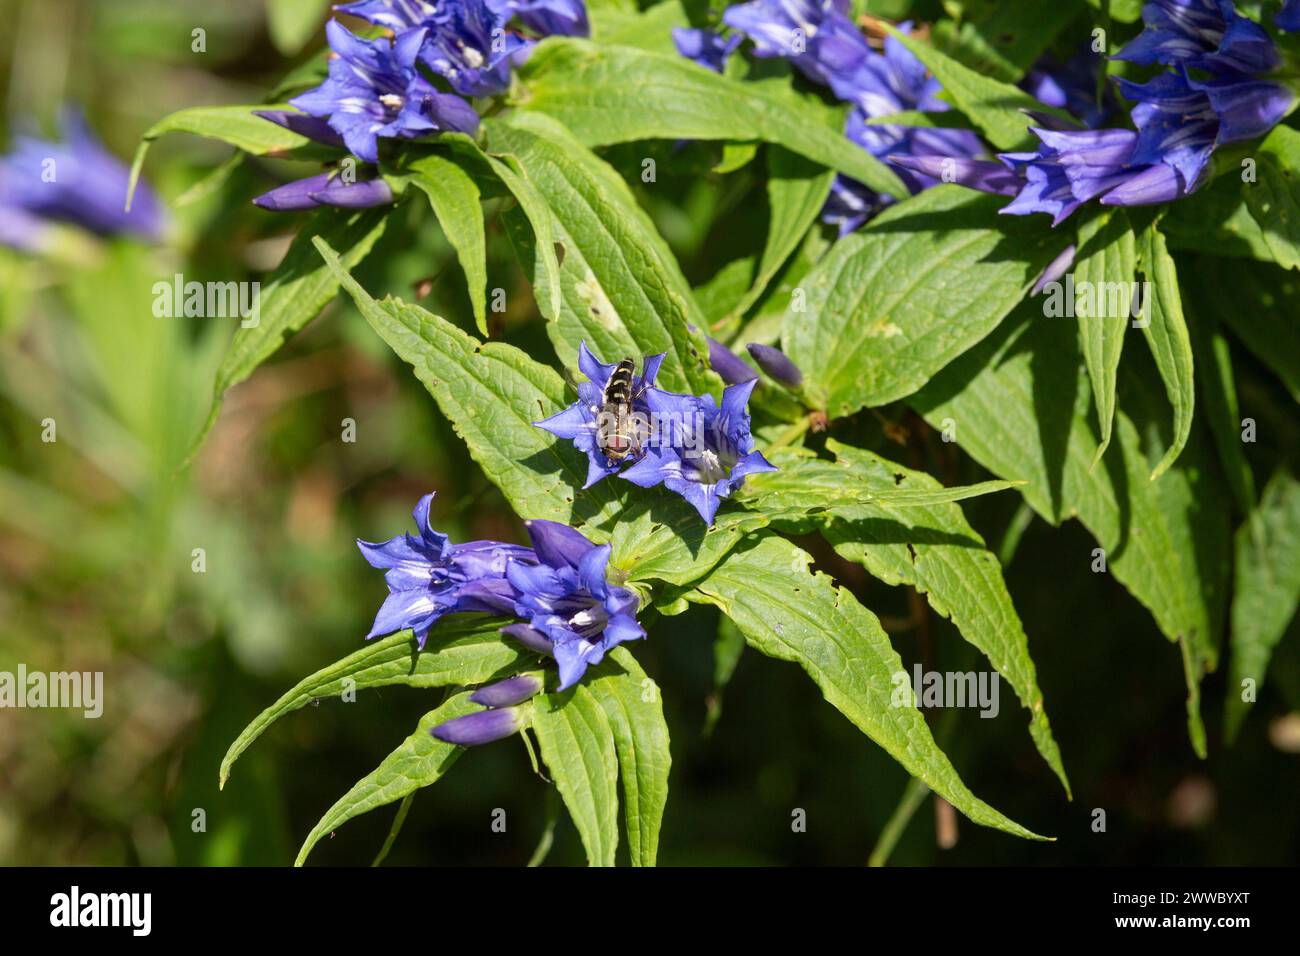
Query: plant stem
{"points": [[396, 828]]}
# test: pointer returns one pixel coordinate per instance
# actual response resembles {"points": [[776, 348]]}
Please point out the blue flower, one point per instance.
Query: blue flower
{"points": [[569, 603], [579, 422], [471, 48], [396, 15], [1288, 18], [565, 18], [1201, 34], [1071, 86], [76, 181], [710, 451], [429, 577], [710, 50], [483, 727], [375, 91], [817, 36]]}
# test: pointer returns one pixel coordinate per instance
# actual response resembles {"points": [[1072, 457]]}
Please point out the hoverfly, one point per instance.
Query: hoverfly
{"points": [[620, 431]]}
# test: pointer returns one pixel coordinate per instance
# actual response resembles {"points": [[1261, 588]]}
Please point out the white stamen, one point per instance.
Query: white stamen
{"points": [[392, 101]]}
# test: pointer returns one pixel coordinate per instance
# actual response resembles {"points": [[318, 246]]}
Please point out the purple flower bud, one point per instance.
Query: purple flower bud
{"points": [[727, 364], [1288, 18], [530, 637], [1055, 269], [774, 362], [1155, 184], [982, 174], [293, 196], [472, 730], [310, 126], [360, 195], [508, 692]]}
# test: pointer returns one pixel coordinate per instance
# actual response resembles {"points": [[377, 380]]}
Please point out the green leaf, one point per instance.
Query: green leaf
{"points": [[577, 744], [544, 244], [650, 29], [1011, 406], [491, 393], [419, 761], [1267, 591], [1104, 270], [291, 23], [294, 294], [636, 716], [465, 649], [600, 93], [1274, 199], [936, 551], [880, 306], [804, 484], [1218, 388], [1003, 40], [992, 104], [1256, 301], [787, 612], [236, 125], [455, 200], [796, 192], [622, 291], [1166, 333]]}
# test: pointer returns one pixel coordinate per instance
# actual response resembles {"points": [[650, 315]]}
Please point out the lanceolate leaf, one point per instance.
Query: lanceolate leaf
{"points": [[787, 612], [464, 649], [237, 125], [1104, 273], [993, 105], [623, 293], [421, 760], [796, 192], [491, 393], [1166, 332], [615, 94], [895, 302], [1274, 198], [936, 551], [1267, 591], [294, 294], [455, 201], [1019, 405], [577, 744], [636, 716]]}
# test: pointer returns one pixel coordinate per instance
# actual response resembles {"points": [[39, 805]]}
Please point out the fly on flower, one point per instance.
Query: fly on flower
{"points": [[621, 431]]}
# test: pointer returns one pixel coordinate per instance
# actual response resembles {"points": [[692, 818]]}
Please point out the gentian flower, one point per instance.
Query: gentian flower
{"points": [[508, 692], [707, 48], [568, 601], [565, 18], [1288, 18], [579, 422], [429, 577], [817, 36], [76, 181], [396, 15], [1071, 86], [471, 48], [703, 472], [375, 91], [1201, 34]]}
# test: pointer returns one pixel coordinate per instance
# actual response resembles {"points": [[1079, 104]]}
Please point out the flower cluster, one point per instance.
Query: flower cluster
{"points": [[393, 88], [687, 443], [558, 588], [76, 181], [1216, 89], [820, 39]]}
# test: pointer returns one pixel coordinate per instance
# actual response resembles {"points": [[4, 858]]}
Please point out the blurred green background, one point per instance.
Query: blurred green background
{"points": [[97, 532]]}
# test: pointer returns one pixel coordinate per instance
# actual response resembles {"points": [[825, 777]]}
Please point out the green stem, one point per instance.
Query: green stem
{"points": [[791, 434], [396, 828], [898, 821]]}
